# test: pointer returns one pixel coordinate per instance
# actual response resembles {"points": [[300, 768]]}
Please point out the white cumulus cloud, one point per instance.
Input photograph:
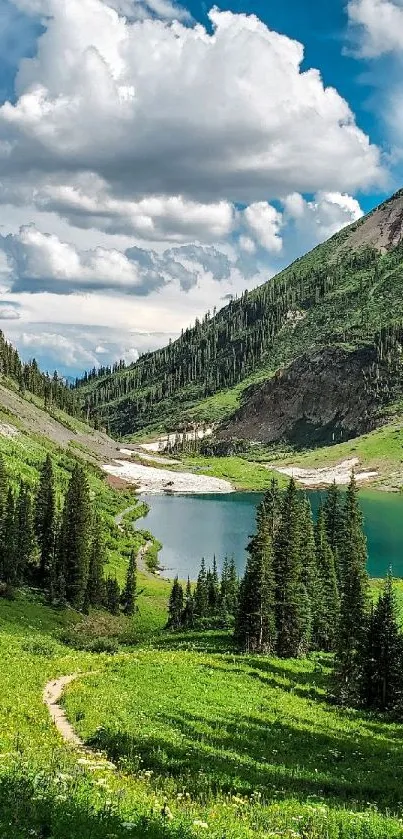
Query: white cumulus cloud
{"points": [[264, 224], [378, 25], [160, 109], [324, 216]]}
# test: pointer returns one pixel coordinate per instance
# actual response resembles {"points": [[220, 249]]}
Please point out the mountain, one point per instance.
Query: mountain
{"points": [[331, 323]]}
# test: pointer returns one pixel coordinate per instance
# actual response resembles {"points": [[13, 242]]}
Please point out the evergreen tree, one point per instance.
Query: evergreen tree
{"points": [[327, 601], [291, 600], [188, 611], [309, 571], [112, 596], [95, 593], [201, 593], [272, 505], [25, 537], [130, 589], [213, 589], [255, 619], [76, 538], [45, 521], [354, 600], [382, 683], [9, 565], [229, 588], [334, 523], [175, 608]]}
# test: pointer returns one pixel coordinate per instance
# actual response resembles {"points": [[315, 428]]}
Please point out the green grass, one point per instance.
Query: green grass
{"points": [[240, 472], [247, 745], [380, 450]]}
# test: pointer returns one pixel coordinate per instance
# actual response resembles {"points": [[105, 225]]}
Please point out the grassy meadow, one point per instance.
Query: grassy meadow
{"points": [[204, 743]]}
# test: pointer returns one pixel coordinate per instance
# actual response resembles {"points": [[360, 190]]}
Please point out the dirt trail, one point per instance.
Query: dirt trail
{"points": [[52, 694], [51, 697]]}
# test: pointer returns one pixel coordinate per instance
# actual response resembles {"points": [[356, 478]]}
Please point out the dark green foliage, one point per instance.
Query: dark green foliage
{"points": [[354, 599], [9, 562], [130, 589], [175, 607], [201, 593], [334, 523], [272, 507], [382, 682], [188, 611], [213, 589], [75, 538], [255, 628], [112, 596], [95, 593], [307, 548], [45, 521], [229, 588], [291, 613], [327, 601], [25, 536], [52, 389]]}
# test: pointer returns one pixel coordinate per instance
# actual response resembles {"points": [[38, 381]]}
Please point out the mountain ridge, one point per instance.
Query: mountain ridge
{"points": [[346, 291]]}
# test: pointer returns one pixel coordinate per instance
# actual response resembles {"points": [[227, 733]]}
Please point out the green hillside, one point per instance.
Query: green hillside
{"points": [[346, 293]]}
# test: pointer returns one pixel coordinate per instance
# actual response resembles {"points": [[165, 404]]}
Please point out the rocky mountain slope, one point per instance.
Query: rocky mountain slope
{"points": [[328, 329]]}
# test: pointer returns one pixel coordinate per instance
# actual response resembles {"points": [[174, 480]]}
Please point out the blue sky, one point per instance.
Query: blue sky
{"points": [[156, 158]]}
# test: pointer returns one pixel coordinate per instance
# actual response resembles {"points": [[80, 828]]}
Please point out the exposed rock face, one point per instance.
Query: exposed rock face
{"points": [[321, 397], [382, 229]]}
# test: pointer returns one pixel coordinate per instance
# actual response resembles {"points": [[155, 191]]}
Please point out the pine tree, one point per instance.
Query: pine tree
{"points": [[255, 619], [213, 589], [327, 606], [130, 589], [9, 564], [188, 611], [95, 593], [175, 607], [354, 600], [291, 599], [76, 538], [272, 504], [112, 596], [229, 588], [201, 593], [334, 523], [382, 683], [309, 571], [45, 521], [25, 537]]}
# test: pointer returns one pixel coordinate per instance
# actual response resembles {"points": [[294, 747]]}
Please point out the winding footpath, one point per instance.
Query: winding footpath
{"points": [[51, 697]]}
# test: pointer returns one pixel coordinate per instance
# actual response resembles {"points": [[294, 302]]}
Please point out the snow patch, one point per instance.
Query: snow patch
{"points": [[326, 475]]}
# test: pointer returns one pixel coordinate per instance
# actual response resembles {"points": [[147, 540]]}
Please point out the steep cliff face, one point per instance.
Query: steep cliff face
{"points": [[322, 397]]}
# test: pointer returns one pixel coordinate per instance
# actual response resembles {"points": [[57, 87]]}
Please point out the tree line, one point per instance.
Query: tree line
{"points": [[57, 544], [305, 589], [211, 603], [52, 389]]}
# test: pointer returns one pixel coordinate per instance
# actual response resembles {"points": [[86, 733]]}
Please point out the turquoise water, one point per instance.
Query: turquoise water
{"points": [[193, 526]]}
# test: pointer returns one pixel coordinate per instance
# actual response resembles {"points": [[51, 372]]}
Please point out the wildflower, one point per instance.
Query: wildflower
{"points": [[128, 825], [198, 823]]}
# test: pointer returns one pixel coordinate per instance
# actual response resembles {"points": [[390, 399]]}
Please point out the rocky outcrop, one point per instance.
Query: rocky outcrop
{"points": [[322, 397]]}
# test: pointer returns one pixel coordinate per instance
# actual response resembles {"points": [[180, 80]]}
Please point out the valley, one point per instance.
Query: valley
{"points": [[134, 703]]}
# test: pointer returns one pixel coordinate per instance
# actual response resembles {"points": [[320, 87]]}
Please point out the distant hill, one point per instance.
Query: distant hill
{"points": [[329, 326]]}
